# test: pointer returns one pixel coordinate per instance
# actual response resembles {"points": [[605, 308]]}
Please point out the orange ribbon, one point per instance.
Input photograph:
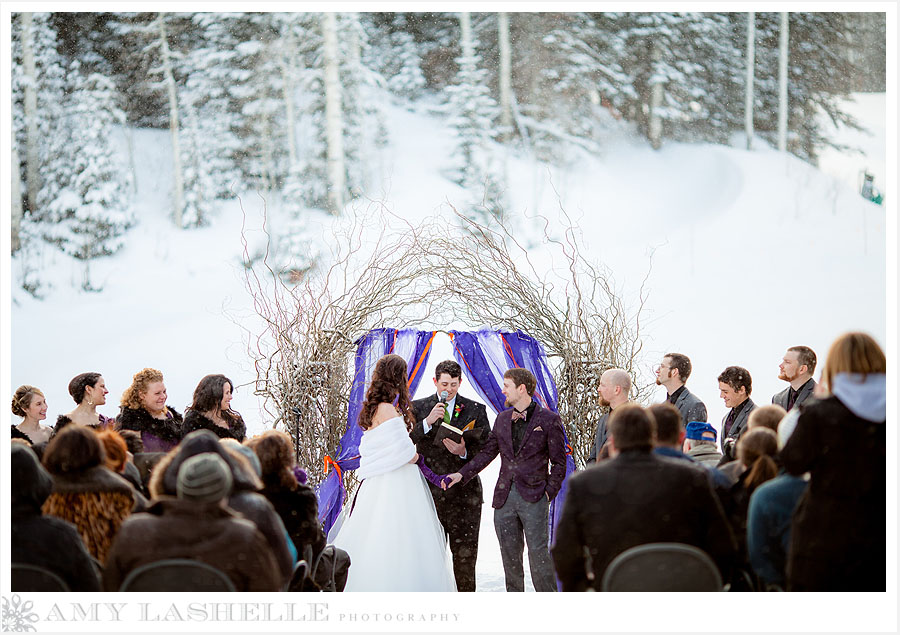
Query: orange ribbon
{"points": [[331, 462]]}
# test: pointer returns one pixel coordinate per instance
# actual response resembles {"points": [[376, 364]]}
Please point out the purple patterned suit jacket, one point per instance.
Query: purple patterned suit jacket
{"points": [[544, 441]]}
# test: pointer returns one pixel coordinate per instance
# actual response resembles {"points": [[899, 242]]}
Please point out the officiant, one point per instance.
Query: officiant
{"points": [[458, 508]]}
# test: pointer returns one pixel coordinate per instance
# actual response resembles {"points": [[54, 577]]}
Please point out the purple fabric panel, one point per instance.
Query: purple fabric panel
{"points": [[482, 365], [153, 443]]}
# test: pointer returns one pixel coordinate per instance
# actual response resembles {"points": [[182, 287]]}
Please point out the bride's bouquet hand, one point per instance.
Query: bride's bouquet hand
{"points": [[450, 480]]}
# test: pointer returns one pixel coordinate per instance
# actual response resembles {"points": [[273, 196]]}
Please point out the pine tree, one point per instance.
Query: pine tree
{"points": [[472, 113], [91, 214]]}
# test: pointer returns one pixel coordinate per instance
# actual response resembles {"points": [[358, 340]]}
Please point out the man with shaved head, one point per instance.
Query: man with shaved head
{"points": [[615, 385]]}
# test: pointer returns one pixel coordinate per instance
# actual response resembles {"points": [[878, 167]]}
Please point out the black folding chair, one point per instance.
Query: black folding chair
{"points": [[662, 566], [29, 577], [177, 574], [299, 580]]}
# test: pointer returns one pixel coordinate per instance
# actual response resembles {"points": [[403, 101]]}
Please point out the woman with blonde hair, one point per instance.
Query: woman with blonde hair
{"points": [[838, 530], [144, 410], [29, 403]]}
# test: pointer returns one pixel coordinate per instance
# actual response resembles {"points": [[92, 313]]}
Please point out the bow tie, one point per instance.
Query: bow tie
{"points": [[516, 415]]}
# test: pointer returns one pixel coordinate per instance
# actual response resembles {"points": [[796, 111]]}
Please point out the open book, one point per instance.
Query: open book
{"points": [[468, 432]]}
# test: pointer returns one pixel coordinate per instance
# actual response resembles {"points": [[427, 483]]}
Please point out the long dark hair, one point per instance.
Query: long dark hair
{"points": [[208, 397], [388, 383]]}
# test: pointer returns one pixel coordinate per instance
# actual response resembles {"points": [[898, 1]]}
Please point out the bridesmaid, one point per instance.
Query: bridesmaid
{"points": [[29, 403], [88, 390], [144, 410], [211, 410]]}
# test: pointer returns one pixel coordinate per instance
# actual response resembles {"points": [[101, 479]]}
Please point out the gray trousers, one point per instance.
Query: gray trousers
{"points": [[518, 517]]}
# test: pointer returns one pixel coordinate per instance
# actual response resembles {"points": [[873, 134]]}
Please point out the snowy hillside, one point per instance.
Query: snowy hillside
{"points": [[747, 253]]}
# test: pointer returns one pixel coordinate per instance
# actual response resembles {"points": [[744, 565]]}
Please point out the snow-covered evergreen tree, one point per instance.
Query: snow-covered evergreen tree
{"points": [[472, 114], [402, 62], [91, 213]]}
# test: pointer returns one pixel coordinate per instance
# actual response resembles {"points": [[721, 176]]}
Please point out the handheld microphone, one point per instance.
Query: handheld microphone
{"points": [[444, 395]]}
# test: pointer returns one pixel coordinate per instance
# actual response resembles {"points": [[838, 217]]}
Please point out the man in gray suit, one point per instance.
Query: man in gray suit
{"points": [[615, 385], [797, 367], [735, 385], [672, 373]]}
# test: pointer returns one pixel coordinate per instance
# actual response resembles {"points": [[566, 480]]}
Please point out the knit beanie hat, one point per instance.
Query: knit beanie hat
{"points": [[203, 478]]}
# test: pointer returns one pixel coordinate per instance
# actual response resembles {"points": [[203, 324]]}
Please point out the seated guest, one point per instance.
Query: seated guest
{"points": [[195, 525], [838, 536], [766, 417], [700, 443], [144, 410], [44, 541], [211, 410], [295, 503], [636, 498], [244, 497], [118, 460], [670, 438], [88, 390], [85, 493], [29, 403]]}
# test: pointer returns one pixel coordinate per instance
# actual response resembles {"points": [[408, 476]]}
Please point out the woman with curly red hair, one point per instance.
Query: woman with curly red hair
{"points": [[144, 410], [392, 534]]}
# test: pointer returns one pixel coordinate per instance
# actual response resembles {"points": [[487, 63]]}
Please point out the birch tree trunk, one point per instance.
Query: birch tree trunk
{"points": [[174, 124], [783, 83], [465, 41], [333, 115], [656, 101], [16, 192], [505, 75], [32, 159], [748, 88], [287, 75]]}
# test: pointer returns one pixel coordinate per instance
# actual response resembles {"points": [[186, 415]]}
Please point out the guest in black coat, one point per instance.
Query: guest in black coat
{"points": [[244, 497], [44, 541], [634, 499], [838, 533], [144, 410], [211, 410]]}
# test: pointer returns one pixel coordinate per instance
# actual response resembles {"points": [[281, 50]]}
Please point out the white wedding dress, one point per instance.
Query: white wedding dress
{"points": [[393, 535]]}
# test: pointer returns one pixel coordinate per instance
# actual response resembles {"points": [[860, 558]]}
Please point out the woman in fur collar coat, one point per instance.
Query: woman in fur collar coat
{"points": [[144, 410], [211, 410], [85, 492], [88, 390]]}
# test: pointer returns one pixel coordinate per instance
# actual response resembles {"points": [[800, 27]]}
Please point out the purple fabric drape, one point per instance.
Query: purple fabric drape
{"points": [[414, 347]]}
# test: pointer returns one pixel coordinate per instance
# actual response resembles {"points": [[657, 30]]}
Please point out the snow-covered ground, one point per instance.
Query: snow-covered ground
{"points": [[747, 253]]}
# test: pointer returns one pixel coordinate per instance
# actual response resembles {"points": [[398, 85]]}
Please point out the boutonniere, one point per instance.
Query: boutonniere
{"points": [[457, 410]]}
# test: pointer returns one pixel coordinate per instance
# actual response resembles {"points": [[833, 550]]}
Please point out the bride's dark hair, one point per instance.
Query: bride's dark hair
{"points": [[388, 383]]}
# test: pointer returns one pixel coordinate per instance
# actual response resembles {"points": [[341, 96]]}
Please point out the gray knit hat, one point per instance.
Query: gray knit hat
{"points": [[203, 478]]}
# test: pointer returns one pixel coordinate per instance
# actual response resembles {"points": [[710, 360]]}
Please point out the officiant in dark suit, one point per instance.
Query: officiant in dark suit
{"points": [[459, 508]]}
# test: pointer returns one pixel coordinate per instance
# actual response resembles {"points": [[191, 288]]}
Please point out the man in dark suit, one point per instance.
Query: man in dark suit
{"points": [[636, 498], [615, 384], [735, 385], [526, 437], [672, 373], [797, 367], [459, 509]]}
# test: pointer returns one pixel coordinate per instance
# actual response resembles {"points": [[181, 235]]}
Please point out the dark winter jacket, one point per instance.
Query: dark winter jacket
{"points": [[158, 435], [207, 532], [299, 511], [194, 420], [634, 499], [96, 501], [18, 434], [838, 531], [44, 541], [243, 499]]}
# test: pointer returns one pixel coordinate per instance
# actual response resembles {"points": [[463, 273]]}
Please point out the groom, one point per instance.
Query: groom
{"points": [[526, 437], [459, 510]]}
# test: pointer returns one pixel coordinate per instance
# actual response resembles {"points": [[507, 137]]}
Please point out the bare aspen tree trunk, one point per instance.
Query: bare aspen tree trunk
{"points": [[173, 118], [505, 75], [465, 42], [656, 100], [287, 75], [16, 192], [32, 164], [748, 88], [783, 83], [333, 115]]}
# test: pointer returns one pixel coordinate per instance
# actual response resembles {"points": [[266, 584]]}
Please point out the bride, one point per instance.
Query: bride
{"points": [[393, 535]]}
